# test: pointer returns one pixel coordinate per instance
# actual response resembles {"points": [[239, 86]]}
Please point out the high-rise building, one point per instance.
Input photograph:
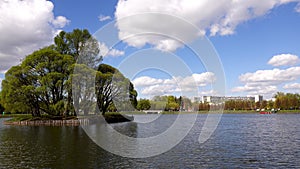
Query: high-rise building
{"points": [[258, 98]]}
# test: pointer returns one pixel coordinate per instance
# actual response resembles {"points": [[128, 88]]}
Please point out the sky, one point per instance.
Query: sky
{"points": [[180, 47]]}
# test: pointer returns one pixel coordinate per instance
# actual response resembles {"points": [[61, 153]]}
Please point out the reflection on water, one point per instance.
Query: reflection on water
{"points": [[240, 141]]}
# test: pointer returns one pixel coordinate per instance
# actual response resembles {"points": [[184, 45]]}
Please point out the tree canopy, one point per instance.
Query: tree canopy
{"points": [[1, 107], [42, 83], [143, 104], [38, 84], [113, 89]]}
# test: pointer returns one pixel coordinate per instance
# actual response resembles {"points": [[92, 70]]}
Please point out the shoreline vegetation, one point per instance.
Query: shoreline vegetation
{"points": [[45, 120], [110, 117]]}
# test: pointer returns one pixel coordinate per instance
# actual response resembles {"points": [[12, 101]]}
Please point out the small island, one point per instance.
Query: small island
{"points": [[66, 82], [45, 120]]}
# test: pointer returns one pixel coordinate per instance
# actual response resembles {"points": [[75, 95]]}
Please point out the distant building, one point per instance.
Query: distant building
{"points": [[258, 98], [196, 99], [221, 99]]}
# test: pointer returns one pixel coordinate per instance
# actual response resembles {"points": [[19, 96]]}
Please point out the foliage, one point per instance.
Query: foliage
{"points": [[143, 104], [239, 105], [42, 83], [1, 107], [81, 45], [113, 88], [158, 105], [204, 106], [287, 101], [39, 84]]}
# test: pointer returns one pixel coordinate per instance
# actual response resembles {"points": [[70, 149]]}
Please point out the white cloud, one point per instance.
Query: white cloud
{"points": [[26, 26], [267, 82], [150, 86], [256, 90], [214, 18], [284, 60], [103, 18], [209, 93], [60, 22], [147, 81], [105, 52], [298, 8], [271, 77], [292, 86]]}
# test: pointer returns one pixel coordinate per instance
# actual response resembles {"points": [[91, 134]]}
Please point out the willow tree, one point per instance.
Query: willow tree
{"points": [[39, 84], [114, 90], [1, 107], [84, 49]]}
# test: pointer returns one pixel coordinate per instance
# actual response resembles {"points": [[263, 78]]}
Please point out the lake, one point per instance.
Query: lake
{"points": [[240, 141]]}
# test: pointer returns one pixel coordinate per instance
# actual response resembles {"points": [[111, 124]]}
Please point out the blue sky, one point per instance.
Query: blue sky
{"points": [[257, 42]]}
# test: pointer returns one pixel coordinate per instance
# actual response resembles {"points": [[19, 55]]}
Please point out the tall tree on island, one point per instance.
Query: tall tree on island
{"points": [[1, 107], [85, 50], [39, 84], [113, 88], [44, 81]]}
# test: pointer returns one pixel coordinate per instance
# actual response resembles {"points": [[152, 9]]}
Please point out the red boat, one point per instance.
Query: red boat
{"points": [[265, 112]]}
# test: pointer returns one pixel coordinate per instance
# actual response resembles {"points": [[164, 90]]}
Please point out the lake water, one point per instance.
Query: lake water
{"points": [[240, 141]]}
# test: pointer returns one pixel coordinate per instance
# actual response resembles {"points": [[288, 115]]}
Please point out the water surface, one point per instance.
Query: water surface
{"points": [[240, 141]]}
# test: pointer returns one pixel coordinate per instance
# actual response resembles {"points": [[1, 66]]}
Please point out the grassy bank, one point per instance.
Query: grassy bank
{"points": [[109, 117], [29, 117]]}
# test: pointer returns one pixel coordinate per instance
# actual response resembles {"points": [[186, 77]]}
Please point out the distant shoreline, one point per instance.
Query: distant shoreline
{"points": [[24, 120], [224, 112]]}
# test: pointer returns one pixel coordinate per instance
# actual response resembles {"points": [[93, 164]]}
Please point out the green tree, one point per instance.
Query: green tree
{"points": [[204, 106], [42, 83], [270, 104], [263, 104], [286, 100], [81, 45], [14, 97], [83, 89], [113, 88], [143, 104], [85, 50], [172, 104], [1, 107], [39, 84]]}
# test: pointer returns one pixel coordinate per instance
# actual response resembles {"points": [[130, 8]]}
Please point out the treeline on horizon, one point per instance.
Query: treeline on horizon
{"points": [[44, 82], [283, 101]]}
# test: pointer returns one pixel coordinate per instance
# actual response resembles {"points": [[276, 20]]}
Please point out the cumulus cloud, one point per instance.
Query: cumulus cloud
{"points": [[106, 52], [271, 77], [103, 18], [26, 26], [298, 8], [284, 60], [292, 86], [211, 17], [256, 90], [154, 86], [267, 82], [60, 22]]}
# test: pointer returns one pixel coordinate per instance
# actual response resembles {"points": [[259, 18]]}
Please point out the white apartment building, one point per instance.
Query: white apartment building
{"points": [[221, 99]]}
